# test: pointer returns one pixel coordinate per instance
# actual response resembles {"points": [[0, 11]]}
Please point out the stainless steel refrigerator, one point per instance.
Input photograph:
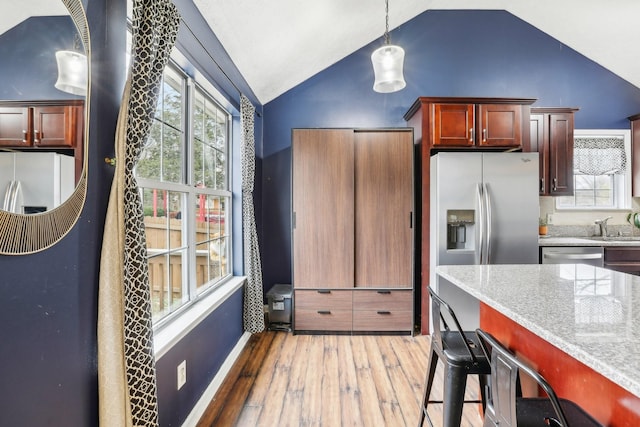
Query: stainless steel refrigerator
{"points": [[33, 182], [484, 210]]}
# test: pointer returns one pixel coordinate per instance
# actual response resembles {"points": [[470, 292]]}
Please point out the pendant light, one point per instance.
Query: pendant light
{"points": [[72, 70], [387, 64]]}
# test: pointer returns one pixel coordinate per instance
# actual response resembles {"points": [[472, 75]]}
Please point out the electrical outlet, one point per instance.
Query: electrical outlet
{"points": [[182, 374], [549, 219]]}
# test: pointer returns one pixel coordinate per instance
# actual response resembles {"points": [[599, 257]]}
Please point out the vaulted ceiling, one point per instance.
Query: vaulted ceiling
{"points": [[278, 44]]}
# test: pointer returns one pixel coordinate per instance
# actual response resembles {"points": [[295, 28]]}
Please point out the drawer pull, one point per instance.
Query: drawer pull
{"points": [[384, 312], [384, 292], [324, 291], [324, 311]]}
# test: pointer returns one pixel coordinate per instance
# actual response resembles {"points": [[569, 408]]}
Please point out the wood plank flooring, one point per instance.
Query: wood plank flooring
{"points": [[281, 379]]}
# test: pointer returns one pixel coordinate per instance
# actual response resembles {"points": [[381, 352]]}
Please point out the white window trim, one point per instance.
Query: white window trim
{"points": [[183, 321], [617, 133]]}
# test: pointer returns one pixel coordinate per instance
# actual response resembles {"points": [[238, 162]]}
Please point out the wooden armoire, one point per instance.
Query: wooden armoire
{"points": [[352, 230]]}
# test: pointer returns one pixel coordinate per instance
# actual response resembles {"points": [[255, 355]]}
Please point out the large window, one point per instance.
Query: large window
{"points": [[601, 177], [184, 174]]}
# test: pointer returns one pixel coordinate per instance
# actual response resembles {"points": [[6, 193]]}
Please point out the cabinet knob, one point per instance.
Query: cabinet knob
{"points": [[471, 134], [324, 311], [484, 135], [24, 135], [384, 312], [37, 135], [542, 185], [555, 184]]}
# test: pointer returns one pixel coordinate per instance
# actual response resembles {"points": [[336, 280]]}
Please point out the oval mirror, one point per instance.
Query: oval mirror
{"points": [[44, 110]]}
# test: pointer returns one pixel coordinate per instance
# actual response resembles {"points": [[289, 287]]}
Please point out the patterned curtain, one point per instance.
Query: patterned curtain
{"points": [[599, 155], [126, 363], [253, 313]]}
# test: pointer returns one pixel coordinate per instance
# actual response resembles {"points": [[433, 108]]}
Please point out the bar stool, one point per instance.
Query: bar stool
{"points": [[461, 355], [505, 405]]}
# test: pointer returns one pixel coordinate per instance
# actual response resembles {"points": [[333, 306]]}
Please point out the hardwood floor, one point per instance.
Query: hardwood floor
{"points": [[282, 379]]}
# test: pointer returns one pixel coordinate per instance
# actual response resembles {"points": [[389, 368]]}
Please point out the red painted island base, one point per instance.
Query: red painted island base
{"points": [[609, 403]]}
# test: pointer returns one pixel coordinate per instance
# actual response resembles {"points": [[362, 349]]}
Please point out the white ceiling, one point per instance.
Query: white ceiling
{"points": [[278, 44], [17, 12]]}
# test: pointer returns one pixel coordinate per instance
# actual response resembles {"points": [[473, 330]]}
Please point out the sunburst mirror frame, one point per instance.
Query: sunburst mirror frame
{"points": [[22, 234]]}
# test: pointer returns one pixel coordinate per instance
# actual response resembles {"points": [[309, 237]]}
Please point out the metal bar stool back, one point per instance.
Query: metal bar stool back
{"points": [[461, 356], [506, 407]]}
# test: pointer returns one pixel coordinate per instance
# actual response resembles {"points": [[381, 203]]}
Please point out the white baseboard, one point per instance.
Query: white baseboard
{"points": [[207, 396]]}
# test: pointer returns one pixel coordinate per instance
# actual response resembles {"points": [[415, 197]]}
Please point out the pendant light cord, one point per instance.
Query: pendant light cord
{"points": [[386, 30]]}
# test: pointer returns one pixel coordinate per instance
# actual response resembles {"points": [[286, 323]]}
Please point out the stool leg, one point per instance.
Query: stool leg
{"points": [[431, 373], [455, 384]]}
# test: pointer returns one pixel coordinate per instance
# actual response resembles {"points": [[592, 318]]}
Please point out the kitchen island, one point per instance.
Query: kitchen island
{"points": [[578, 325]]}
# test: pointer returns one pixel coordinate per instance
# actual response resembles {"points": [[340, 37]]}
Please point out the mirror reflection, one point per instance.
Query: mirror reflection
{"points": [[43, 83]]}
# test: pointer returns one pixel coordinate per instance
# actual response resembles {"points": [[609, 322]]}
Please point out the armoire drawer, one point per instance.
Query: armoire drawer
{"points": [[323, 319], [323, 299], [382, 320], [392, 300]]}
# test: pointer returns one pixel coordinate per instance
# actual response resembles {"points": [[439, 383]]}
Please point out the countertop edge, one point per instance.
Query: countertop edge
{"points": [[598, 365]]}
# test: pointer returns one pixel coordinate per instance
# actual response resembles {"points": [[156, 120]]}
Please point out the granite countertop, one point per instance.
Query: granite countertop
{"points": [[591, 313], [589, 241]]}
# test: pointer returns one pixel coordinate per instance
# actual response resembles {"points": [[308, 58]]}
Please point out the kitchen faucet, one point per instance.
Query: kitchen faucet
{"points": [[603, 225]]}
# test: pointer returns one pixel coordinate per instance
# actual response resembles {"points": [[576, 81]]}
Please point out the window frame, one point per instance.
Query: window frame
{"points": [[621, 183], [192, 293]]}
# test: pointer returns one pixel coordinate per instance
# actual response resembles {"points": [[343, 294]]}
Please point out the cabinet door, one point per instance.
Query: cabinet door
{"points": [[539, 143], [54, 126], [635, 155], [625, 259], [500, 125], [323, 208], [561, 154], [15, 125], [384, 179], [453, 125]]}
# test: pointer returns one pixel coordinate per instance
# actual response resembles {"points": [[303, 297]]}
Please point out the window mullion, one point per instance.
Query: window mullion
{"points": [[191, 197]]}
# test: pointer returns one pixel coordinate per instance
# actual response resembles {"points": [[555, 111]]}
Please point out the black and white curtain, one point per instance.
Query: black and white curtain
{"points": [[253, 313], [126, 362], [599, 155]]}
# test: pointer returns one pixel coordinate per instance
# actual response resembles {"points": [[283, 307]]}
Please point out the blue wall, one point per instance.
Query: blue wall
{"points": [[48, 300], [29, 70], [447, 53]]}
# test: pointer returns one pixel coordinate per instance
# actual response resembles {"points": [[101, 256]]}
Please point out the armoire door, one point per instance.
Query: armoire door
{"points": [[383, 204], [323, 208]]}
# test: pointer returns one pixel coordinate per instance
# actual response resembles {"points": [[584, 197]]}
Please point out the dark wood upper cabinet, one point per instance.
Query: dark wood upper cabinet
{"points": [[481, 123], [551, 135], [635, 155], [44, 125], [55, 126], [15, 127]]}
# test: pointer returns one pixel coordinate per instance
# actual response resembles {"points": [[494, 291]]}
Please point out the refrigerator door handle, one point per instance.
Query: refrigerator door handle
{"points": [[480, 242], [487, 201]]}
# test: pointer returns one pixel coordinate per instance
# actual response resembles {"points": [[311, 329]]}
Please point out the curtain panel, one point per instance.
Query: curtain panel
{"points": [[126, 363], [253, 313]]}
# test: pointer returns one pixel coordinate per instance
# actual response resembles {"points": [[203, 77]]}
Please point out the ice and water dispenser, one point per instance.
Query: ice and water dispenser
{"points": [[460, 229]]}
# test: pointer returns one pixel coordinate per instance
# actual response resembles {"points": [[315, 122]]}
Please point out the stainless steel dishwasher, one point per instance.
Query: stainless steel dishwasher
{"points": [[591, 255]]}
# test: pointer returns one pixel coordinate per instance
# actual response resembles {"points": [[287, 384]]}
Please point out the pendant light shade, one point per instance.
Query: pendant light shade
{"points": [[72, 72], [387, 67], [388, 62]]}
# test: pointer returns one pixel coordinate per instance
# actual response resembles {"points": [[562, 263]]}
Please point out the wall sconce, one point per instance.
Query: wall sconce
{"points": [[387, 64], [72, 70]]}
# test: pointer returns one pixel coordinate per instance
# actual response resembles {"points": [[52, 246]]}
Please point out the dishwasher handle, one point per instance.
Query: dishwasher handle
{"points": [[572, 256]]}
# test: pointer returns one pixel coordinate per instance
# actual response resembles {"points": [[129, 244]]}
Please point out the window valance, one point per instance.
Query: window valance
{"points": [[599, 155]]}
